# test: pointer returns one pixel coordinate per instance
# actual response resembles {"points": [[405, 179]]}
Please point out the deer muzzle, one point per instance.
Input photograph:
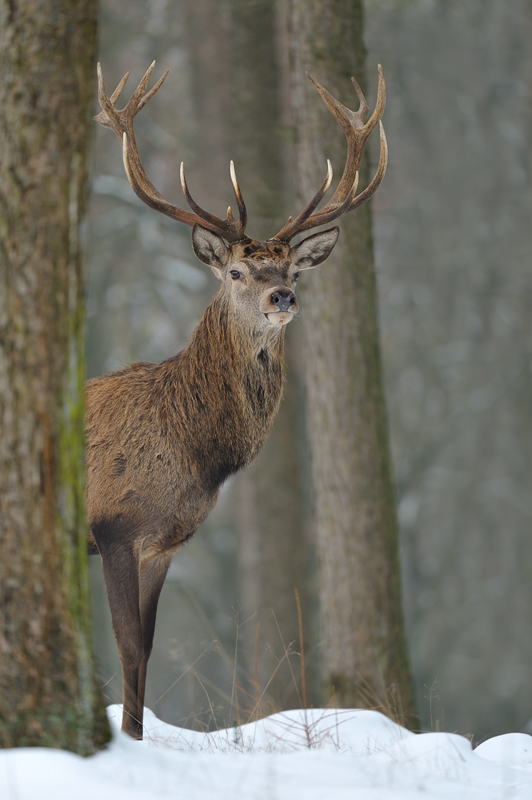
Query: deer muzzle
{"points": [[279, 305]]}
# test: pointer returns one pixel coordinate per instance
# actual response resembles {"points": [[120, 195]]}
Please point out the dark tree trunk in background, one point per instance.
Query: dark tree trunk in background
{"points": [[48, 693], [364, 653]]}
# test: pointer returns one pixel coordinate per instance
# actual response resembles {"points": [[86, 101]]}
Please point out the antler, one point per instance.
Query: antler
{"points": [[121, 122], [357, 131]]}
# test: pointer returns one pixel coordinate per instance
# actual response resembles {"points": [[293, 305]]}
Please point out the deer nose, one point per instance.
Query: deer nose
{"points": [[284, 299]]}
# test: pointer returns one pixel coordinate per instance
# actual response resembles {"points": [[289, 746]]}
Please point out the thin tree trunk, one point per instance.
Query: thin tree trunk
{"points": [[48, 693], [364, 654]]}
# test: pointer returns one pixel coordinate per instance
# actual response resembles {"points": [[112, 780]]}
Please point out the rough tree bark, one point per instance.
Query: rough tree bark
{"points": [[364, 654], [48, 693]]}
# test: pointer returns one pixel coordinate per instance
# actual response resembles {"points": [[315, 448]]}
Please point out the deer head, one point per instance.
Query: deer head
{"points": [[258, 278]]}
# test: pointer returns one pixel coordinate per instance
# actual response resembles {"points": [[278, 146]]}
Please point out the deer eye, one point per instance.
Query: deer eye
{"points": [[295, 277], [235, 274]]}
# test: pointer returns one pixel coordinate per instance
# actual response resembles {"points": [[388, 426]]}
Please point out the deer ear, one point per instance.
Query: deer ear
{"points": [[314, 249], [210, 248]]}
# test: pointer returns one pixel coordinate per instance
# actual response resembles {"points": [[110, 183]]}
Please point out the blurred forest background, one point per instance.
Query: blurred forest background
{"points": [[453, 253]]}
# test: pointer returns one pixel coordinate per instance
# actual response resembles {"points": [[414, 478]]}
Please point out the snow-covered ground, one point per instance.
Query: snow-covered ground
{"points": [[296, 755]]}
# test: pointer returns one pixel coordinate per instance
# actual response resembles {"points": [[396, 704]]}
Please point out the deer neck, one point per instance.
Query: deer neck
{"points": [[222, 337], [238, 376]]}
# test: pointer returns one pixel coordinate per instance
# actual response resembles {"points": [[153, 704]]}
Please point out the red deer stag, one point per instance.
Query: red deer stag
{"points": [[162, 438]]}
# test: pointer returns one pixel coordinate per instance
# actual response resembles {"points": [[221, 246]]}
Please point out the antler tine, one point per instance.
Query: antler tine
{"points": [[154, 90], [228, 228], [380, 104], [146, 191], [205, 215], [357, 131], [121, 122], [285, 232], [363, 110], [242, 210], [372, 187], [138, 94], [107, 105], [119, 89]]}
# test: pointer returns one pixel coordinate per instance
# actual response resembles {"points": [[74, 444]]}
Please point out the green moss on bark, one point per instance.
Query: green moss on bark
{"points": [[48, 692]]}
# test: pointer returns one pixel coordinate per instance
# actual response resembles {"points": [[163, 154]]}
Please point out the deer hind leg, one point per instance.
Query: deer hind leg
{"points": [[121, 575], [152, 575]]}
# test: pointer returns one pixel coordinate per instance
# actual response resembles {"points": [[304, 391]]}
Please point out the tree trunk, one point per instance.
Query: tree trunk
{"points": [[364, 654], [48, 693]]}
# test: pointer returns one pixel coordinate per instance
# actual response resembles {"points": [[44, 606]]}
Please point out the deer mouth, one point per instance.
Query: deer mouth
{"points": [[279, 317]]}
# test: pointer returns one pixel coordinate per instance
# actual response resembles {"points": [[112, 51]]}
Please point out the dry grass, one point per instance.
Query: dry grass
{"points": [[247, 701]]}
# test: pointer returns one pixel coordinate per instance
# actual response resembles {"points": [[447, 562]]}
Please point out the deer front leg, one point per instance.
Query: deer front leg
{"points": [[152, 575], [121, 575]]}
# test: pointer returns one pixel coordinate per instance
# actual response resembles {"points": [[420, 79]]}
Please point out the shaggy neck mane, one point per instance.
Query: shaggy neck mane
{"points": [[230, 385], [221, 342]]}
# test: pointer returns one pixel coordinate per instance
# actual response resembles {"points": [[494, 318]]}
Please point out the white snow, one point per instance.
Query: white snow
{"points": [[295, 755]]}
